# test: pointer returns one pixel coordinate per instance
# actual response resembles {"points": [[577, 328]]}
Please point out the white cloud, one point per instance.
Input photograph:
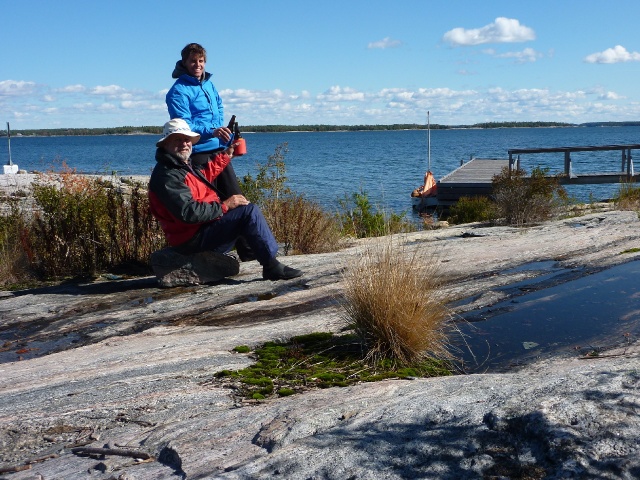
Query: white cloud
{"points": [[132, 104], [503, 30], [526, 55], [341, 94], [386, 42], [15, 88], [71, 89], [83, 106], [337, 105], [610, 96], [111, 90], [617, 54]]}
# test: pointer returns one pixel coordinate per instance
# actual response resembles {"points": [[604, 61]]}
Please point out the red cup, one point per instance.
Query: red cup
{"points": [[239, 147]]}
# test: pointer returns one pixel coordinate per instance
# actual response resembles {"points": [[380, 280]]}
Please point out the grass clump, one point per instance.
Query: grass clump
{"points": [[392, 298], [359, 218], [521, 200], [628, 197], [301, 226], [472, 209], [316, 360]]}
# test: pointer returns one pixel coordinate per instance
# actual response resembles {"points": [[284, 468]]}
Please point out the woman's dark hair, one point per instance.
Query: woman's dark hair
{"points": [[193, 48]]}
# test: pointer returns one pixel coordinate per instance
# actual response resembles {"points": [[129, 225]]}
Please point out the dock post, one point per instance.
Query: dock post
{"points": [[567, 163], [510, 162], [630, 173]]}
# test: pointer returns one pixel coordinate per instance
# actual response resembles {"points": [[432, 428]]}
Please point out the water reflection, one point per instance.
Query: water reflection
{"points": [[575, 317]]}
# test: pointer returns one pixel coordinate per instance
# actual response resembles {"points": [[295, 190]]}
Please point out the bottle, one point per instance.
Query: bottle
{"points": [[232, 123], [230, 126]]}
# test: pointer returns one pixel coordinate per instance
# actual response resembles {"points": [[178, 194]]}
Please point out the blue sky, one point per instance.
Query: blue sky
{"points": [[107, 64]]}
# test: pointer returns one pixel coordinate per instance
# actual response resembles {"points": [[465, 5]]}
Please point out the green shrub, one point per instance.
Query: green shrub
{"points": [[14, 261], [359, 219], [271, 179], [521, 200], [85, 226], [472, 209]]}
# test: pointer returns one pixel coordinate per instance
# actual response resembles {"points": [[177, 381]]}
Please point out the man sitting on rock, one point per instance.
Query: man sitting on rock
{"points": [[194, 219]]}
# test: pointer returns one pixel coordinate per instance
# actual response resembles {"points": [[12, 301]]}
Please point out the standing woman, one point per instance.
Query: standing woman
{"points": [[194, 98]]}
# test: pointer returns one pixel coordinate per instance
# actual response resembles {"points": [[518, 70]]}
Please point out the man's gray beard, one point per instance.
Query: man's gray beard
{"points": [[184, 156]]}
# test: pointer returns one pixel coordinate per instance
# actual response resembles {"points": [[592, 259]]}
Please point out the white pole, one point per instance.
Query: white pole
{"points": [[429, 140], [9, 142]]}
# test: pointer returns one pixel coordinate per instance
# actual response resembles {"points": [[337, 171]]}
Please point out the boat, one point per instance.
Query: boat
{"points": [[425, 196]]}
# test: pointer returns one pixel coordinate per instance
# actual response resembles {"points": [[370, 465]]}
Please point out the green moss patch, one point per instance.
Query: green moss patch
{"points": [[317, 360]]}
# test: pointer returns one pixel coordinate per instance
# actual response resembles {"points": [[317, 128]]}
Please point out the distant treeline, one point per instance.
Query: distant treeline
{"points": [[157, 130], [54, 132]]}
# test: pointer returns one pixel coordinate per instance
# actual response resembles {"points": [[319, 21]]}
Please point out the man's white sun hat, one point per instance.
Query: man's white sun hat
{"points": [[177, 125]]}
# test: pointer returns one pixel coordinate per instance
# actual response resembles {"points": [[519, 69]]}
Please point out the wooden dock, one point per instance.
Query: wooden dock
{"points": [[474, 178], [471, 179]]}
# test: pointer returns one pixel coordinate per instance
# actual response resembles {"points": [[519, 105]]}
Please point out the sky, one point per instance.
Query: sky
{"points": [[72, 64]]}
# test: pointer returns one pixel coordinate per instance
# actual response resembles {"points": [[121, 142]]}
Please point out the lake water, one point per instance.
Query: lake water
{"points": [[326, 166]]}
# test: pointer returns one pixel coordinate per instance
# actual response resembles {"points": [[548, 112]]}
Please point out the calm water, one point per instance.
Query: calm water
{"points": [[326, 166], [573, 318]]}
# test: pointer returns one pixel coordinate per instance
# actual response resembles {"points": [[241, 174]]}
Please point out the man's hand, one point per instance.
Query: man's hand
{"points": [[236, 201]]}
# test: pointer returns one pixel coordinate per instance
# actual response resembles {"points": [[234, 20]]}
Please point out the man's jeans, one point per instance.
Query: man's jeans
{"points": [[246, 221]]}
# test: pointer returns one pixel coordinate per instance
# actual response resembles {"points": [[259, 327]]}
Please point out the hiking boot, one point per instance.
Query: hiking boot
{"points": [[280, 272]]}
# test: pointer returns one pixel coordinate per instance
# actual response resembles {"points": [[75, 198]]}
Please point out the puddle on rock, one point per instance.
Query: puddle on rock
{"points": [[576, 317]]}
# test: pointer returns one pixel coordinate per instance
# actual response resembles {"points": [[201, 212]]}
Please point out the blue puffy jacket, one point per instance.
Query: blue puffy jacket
{"points": [[197, 103]]}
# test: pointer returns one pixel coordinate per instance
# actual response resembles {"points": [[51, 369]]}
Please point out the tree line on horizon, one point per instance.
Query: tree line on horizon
{"points": [[157, 130]]}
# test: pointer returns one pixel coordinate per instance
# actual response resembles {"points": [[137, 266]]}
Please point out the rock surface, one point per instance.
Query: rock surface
{"points": [[125, 365]]}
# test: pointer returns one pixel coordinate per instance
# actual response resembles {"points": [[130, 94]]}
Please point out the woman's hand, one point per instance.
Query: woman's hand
{"points": [[222, 133]]}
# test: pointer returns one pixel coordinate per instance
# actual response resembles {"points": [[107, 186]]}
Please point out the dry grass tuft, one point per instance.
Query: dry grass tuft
{"points": [[392, 299], [301, 225], [628, 197]]}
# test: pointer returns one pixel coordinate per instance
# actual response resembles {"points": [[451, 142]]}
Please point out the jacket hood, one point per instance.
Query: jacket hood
{"points": [[180, 70]]}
